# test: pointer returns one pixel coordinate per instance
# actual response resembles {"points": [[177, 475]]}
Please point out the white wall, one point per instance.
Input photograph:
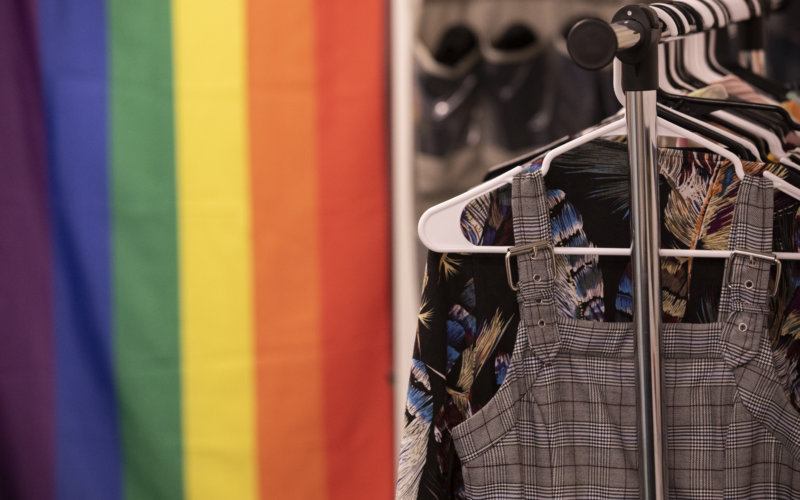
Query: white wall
{"points": [[405, 287]]}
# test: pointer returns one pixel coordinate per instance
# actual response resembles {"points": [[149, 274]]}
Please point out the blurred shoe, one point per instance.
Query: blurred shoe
{"points": [[582, 98], [447, 80], [514, 71]]}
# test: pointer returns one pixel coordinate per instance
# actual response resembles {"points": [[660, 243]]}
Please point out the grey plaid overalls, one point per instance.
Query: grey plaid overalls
{"points": [[563, 423]]}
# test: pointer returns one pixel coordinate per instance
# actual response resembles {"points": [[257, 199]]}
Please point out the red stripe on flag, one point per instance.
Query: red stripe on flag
{"points": [[354, 214]]}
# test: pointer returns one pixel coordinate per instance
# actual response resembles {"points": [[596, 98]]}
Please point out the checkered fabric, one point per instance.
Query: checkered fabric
{"points": [[563, 424]]}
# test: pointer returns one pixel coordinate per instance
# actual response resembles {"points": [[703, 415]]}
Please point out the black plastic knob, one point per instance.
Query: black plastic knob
{"points": [[592, 43]]}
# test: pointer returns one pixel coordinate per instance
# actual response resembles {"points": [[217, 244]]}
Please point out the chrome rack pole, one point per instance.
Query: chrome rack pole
{"points": [[641, 115], [633, 38]]}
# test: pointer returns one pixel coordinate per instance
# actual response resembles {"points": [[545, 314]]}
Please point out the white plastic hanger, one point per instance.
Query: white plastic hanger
{"points": [[696, 59], [777, 182], [774, 143], [670, 60], [703, 10], [665, 84], [663, 81], [678, 13], [693, 45], [721, 20], [739, 10], [439, 227], [726, 12], [790, 162]]}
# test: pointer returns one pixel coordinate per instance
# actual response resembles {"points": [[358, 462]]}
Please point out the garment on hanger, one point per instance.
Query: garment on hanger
{"points": [[469, 314], [736, 87], [563, 423], [793, 107]]}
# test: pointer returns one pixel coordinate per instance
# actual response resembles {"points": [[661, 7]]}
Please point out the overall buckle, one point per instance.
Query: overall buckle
{"points": [[753, 256], [522, 250]]}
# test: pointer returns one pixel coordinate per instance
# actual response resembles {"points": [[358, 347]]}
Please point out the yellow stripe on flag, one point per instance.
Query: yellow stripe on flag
{"points": [[215, 242]]}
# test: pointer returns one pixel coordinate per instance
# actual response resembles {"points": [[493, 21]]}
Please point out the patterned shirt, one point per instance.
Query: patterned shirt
{"points": [[468, 315]]}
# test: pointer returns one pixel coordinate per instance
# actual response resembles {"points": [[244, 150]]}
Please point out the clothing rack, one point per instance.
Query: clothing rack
{"points": [[633, 37]]}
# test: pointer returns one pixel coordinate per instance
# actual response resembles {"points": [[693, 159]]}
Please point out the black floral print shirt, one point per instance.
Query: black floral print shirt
{"points": [[468, 314]]}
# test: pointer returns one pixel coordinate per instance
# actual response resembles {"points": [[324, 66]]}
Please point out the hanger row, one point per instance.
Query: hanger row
{"points": [[743, 130], [684, 17], [440, 226], [605, 2]]}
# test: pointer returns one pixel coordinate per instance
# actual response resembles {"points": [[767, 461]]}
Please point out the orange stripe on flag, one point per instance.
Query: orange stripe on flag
{"points": [[285, 194], [354, 215]]}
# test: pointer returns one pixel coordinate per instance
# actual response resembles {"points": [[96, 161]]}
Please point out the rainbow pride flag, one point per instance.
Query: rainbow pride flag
{"points": [[194, 250]]}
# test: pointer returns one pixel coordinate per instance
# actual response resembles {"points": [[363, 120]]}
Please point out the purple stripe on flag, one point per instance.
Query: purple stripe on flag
{"points": [[26, 341]]}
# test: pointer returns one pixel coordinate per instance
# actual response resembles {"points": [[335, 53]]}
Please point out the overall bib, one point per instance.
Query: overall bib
{"points": [[563, 423]]}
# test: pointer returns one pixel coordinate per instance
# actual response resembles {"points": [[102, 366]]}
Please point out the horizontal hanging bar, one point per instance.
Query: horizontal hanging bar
{"points": [[626, 37], [599, 43], [623, 252], [593, 43]]}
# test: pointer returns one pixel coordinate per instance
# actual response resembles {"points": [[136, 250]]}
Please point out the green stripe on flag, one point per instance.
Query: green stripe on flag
{"points": [[145, 249]]}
